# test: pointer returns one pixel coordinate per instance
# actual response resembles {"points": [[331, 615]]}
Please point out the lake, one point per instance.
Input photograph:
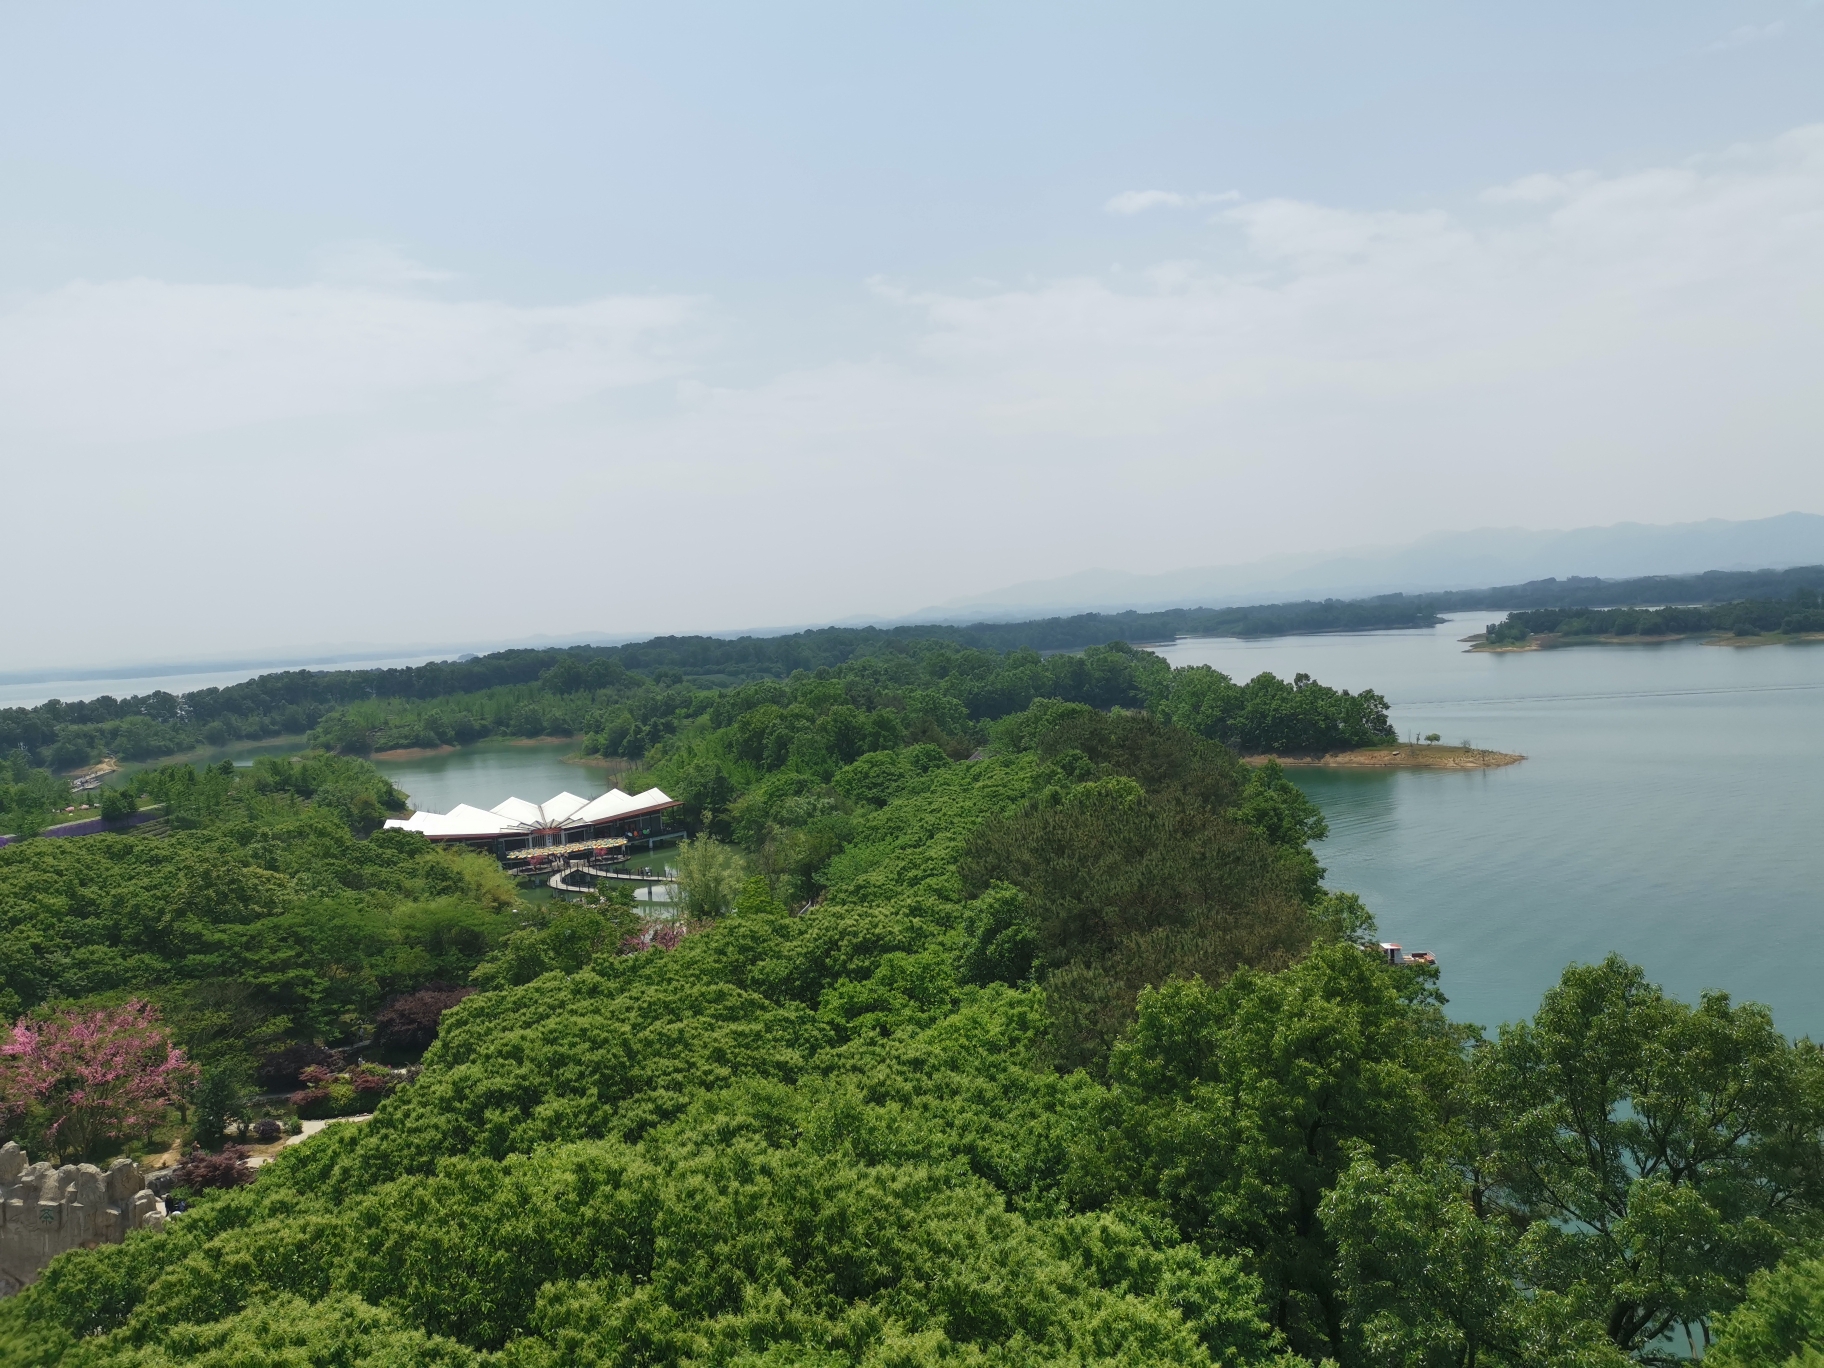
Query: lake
{"points": [[1670, 808], [489, 772]]}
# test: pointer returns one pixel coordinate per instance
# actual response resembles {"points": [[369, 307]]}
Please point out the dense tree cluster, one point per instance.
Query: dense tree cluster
{"points": [[1071, 1060], [629, 692], [1748, 617], [261, 919], [784, 768], [28, 796]]}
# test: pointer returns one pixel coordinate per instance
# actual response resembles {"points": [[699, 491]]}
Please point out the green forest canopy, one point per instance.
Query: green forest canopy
{"points": [[1072, 1061], [507, 686], [260, 920]]}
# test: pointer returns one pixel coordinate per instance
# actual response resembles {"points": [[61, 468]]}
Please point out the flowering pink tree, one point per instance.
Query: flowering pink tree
{"points": [[656, 935], [83, 1080]]}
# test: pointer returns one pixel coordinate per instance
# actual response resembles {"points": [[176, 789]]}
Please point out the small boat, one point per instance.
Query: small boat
{"points": [[1391, 952]]}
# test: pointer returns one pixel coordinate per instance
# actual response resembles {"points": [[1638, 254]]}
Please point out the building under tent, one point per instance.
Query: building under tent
{"points": [[564, 826]]}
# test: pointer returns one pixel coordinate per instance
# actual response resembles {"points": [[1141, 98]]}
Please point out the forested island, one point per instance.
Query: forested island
{"points": [[1061, 1051], [1746, 621]]}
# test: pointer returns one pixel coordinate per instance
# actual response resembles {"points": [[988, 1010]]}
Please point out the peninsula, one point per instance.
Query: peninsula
{"points": [[1746, 622], [1405, 755]]}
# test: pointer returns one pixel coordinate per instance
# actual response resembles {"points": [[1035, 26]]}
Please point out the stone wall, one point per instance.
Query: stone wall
{"points": [[45, 1210]]}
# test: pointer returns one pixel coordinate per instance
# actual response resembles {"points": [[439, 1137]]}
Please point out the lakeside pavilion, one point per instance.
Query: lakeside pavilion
{"points": [[516, 829]]}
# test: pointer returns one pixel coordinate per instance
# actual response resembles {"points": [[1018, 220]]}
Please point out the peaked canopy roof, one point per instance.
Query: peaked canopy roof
{"points": [[516, 815]]}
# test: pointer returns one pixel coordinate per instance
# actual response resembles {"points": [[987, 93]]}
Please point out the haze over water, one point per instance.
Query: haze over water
{"points": [[1670, 808]]}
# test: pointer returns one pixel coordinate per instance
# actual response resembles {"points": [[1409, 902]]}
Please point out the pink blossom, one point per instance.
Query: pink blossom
{"points": [[663, 935], [93, 1077]]}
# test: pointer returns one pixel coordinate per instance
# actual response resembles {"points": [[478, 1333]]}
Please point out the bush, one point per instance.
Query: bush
{"points": [[267, 1131], [325, 1095], [201, 1170], [283, 1068], [117, 805], [409, 1022]]}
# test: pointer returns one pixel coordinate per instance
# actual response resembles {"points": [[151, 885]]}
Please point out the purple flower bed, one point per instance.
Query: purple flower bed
{"points": [[92, 826]]}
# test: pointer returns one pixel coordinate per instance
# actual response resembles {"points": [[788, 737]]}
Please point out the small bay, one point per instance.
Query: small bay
{"points": [[1671, 808], [488, 772]]}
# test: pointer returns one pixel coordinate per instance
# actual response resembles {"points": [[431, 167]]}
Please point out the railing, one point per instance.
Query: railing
{"points": [[608, 848]]}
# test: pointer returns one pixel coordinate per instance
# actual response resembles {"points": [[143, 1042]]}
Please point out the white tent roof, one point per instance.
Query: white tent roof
{"points": [[519, 812], [562, 807], [461, 820], [614, 804], [516, 814]]}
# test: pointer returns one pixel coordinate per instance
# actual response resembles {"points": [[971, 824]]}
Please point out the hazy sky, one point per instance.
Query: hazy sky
{"points": [[399, 323]]}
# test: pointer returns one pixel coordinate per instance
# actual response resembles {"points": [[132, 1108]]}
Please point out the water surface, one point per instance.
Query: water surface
{"points": [[489, 772], [1670, 808]]}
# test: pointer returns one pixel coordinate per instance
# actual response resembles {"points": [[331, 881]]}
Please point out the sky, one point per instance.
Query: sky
{"points": [[366, 325]]}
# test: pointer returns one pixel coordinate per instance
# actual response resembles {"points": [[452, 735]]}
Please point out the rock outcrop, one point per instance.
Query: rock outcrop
{"points": [[45, 1210]]}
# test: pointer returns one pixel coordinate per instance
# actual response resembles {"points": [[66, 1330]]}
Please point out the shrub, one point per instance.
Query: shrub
{"points": [[283, 1068], [409, 1022], [117, 805], [200, 1169], [326, 1095], [267, 1131]]}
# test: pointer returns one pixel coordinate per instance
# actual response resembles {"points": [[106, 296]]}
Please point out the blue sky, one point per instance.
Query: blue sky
{"points": [[823, 310]]}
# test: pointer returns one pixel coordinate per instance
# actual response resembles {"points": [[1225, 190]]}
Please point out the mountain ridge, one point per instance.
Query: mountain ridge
{"points": [[1439, 563]]}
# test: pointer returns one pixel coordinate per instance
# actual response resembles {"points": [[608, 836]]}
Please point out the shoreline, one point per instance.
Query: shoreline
{"points": [[1408, 756], [1551, 641], [413, 752]]}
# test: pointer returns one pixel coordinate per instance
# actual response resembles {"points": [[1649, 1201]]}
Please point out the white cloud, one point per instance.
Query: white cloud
{"points": [[1130, 202], [137, 359], [1642, 345], [376, 264], [1748, 33], [1538, 188]]}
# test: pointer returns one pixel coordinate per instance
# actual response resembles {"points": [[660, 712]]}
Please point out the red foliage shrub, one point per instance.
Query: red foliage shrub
{"points": [[201, 1170], [371, 1080], [284, 1068], [409, 1021]]}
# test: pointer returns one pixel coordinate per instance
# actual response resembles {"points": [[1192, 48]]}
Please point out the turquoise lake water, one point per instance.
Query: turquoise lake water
{"points": [[1671, 808], [490, 772]]}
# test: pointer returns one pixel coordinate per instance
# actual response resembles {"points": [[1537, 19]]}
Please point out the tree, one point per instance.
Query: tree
{"points": [[220, 1100], [85, 1082], [1430, 1283], [1781, 1322], [1657, 1154], [1236, 1109], [117, 804], [709, 876]]}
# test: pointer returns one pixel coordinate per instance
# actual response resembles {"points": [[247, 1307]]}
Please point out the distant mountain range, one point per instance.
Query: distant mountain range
{"points": [[1444, 561]]}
